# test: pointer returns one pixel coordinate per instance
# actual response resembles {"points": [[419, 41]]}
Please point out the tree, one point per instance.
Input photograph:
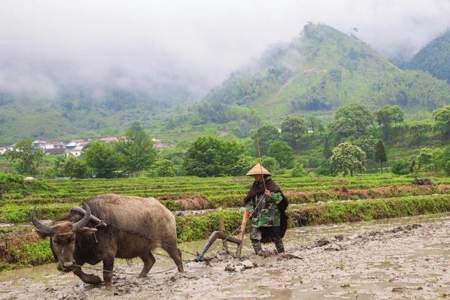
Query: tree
{"points": [[367, 144], [102, 158], [210, 156], [282, 152], [25, 158], [442, 160], [292, 131], [442, 120], [347, 159], [419, 131], [380, 154], [425, 158], [315, 124], [136, 151], [351, 121], [387, 116], [263, 137], [75, 168], [327, 148]]}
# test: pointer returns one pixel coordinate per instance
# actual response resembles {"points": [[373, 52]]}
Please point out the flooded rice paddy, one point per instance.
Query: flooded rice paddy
{"points": [[390, 259]]}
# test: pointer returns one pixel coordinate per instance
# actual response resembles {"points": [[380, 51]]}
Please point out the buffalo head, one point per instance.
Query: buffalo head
{"points": [[62, 235]]}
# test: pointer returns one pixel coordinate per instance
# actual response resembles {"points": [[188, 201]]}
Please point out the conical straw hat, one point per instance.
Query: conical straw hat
{"points": [[258, 169]]}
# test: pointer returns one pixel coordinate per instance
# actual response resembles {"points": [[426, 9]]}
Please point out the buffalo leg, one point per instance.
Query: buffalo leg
{"points": [[175, 254], [108, 266], [148, 260], [87, 278]]}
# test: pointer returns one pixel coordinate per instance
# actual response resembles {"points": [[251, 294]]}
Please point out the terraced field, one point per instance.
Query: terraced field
{"points": [[314, 200], [56, 196]]}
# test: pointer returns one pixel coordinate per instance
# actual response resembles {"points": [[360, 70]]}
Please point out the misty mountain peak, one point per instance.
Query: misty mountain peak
{"points": [[322, 69]]}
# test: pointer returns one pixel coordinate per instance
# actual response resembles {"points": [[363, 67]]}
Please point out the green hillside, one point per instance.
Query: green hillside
{"points": [[321, 70], [434, 57], [75, 112]]}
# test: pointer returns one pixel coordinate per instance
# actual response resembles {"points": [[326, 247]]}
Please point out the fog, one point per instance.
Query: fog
{"points": [[145, 45]]}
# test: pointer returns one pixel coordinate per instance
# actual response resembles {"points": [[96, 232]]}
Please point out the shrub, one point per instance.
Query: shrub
{"points": [[298, 170], [447, 168], [9, 182], [163, 168], [324, 168], [401, 167], [270, 163]]}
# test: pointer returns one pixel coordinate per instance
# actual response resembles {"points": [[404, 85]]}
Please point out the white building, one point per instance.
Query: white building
{"points": [[74, 151]]}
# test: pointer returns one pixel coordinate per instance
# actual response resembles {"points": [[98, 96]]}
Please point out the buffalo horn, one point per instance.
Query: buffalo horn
{"points": [[93, 218], [41, 227], [84, 221]]}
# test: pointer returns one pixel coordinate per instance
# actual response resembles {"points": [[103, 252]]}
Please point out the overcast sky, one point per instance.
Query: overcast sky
{"points": [[133, 42]]}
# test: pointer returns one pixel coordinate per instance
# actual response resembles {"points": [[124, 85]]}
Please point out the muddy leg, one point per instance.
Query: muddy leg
{"points": [[175, 254], [279, 245], [148, 260], [108, 266], [87, 278]]}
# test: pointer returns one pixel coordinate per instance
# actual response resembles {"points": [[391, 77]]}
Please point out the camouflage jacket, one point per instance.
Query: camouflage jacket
{"points": [[264, 210]]}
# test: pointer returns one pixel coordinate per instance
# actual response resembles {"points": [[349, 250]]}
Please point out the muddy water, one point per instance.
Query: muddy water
{"points": [[393, 259]]}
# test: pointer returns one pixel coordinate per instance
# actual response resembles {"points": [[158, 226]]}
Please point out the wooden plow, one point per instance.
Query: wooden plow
{"points": [[220, 234]]}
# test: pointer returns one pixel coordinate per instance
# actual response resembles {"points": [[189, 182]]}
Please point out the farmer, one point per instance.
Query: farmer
{"points": [[266, 205]]}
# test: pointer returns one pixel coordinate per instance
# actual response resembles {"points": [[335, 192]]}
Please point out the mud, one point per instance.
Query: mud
{"points": [[396, 259]]}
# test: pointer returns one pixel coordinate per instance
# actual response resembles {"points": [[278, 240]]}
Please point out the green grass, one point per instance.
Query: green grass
{"points": [[35, 253]]}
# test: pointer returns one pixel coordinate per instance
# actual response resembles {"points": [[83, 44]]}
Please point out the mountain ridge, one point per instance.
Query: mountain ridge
{"points": [[434, 58]]}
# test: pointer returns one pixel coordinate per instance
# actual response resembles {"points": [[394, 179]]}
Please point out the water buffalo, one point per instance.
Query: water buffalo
{"points": [[111, 226]]}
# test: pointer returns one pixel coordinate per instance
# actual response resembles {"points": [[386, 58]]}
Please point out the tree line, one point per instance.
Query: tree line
{"points": [[353, 140]]}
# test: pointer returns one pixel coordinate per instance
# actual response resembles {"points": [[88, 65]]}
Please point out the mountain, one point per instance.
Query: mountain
{"points": [[434, 57], [321, 70], [80, 109]]}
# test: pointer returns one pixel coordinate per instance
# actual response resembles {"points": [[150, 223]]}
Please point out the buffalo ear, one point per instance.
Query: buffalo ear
{"points": [[87, 230]]}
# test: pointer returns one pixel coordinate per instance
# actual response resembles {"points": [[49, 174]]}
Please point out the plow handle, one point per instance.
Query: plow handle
{"points": [[245, 219]]}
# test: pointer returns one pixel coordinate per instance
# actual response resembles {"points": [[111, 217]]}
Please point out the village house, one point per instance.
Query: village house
{"points": [[110, 139], [75, 147], [50, 147], [3, 150]]}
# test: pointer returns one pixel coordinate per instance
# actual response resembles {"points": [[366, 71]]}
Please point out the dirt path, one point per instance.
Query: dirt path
{"points": [[395, 259]]}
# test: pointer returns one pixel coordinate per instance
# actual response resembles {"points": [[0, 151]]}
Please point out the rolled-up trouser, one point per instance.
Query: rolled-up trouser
{"points": [[255, 233], [256, 238]]}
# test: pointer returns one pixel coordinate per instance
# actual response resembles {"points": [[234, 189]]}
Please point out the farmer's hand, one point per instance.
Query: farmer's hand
{"points": [[268, 193]]}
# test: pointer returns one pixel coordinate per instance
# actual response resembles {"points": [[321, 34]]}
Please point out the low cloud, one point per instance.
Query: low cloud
{"points": [[46, 45]]}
